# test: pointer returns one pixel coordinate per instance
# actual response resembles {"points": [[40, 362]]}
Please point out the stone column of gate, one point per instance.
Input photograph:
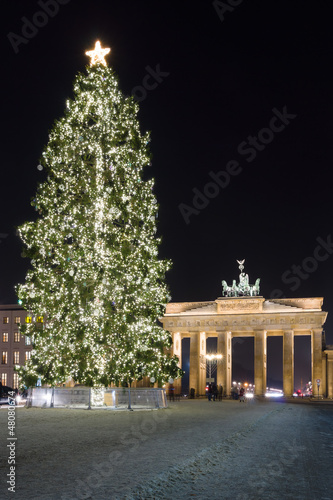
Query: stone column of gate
{"points": [[260, 367], [202, 364], [194, 362], [177, 350], [329, 371], [288, 362], [316, 360], [224, 373]]}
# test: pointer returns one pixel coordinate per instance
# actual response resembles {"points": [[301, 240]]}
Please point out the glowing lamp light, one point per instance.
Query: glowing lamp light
{"points": [[98, 54], [210, 357]]}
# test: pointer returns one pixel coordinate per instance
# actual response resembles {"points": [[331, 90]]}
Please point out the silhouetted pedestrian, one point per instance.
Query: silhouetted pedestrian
{"points": [[171, 392], [210, 392]]}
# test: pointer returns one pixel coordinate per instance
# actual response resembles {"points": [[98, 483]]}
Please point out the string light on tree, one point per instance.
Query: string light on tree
{"points": [[95, 274]]}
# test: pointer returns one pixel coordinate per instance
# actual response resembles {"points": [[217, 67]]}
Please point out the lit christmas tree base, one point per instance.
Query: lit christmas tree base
{"points": [[117, 398]]}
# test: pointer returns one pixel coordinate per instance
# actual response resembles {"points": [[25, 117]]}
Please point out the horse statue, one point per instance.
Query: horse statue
{"points": [[256, 288], [229, 291], [234, 289], [224, 287]]}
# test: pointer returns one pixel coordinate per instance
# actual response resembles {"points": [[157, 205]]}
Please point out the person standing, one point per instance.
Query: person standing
{"points": [[210, 392], [171, 392], [215, 393]]}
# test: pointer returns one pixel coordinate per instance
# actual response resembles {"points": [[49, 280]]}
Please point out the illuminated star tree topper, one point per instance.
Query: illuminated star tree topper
{"points": [[97, 56]]}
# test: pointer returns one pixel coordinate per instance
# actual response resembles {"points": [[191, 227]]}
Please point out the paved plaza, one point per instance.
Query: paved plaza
{"points": [[193, 449]]}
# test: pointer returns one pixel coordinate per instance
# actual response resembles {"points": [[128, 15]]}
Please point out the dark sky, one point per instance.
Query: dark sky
{"points": [[222, 79]]}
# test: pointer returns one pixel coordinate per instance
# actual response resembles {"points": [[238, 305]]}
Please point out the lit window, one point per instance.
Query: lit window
{"points": [[15, 381], [4, 357], [5, 337], [27, 355], [27, 340], [16, 336], [40, 319], [28, 319], [5, 320], [4, 378], [17, 320], [16, 357]]}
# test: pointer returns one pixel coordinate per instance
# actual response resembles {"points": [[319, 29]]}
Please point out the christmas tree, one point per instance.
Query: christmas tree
{"points": [[96, 286]]}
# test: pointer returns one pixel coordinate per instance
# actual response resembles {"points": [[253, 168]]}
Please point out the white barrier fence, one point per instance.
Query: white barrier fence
{"points": [[86, 397]]}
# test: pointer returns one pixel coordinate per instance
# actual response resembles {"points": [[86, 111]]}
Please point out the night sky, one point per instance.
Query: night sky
{"points": [[246, 91]]}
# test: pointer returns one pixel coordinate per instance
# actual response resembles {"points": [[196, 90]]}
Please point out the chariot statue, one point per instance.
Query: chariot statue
{"points": [[243, 289]]}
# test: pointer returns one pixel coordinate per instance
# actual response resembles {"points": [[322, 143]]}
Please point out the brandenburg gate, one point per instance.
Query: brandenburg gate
{"points": [[242, 312]]}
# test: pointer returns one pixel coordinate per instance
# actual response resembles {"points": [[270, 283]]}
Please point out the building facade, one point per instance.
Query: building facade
{"points": [[15, 348]]}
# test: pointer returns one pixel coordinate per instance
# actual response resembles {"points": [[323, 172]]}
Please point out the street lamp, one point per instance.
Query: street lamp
{"points": [[212, 360]]}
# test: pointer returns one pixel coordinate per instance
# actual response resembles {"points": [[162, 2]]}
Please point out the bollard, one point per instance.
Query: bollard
{"points": [[89, 403], [129, 399], [52, 398]]}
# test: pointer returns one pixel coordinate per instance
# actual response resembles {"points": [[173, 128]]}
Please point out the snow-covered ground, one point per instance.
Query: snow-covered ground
{"points": [[193, 449]]}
